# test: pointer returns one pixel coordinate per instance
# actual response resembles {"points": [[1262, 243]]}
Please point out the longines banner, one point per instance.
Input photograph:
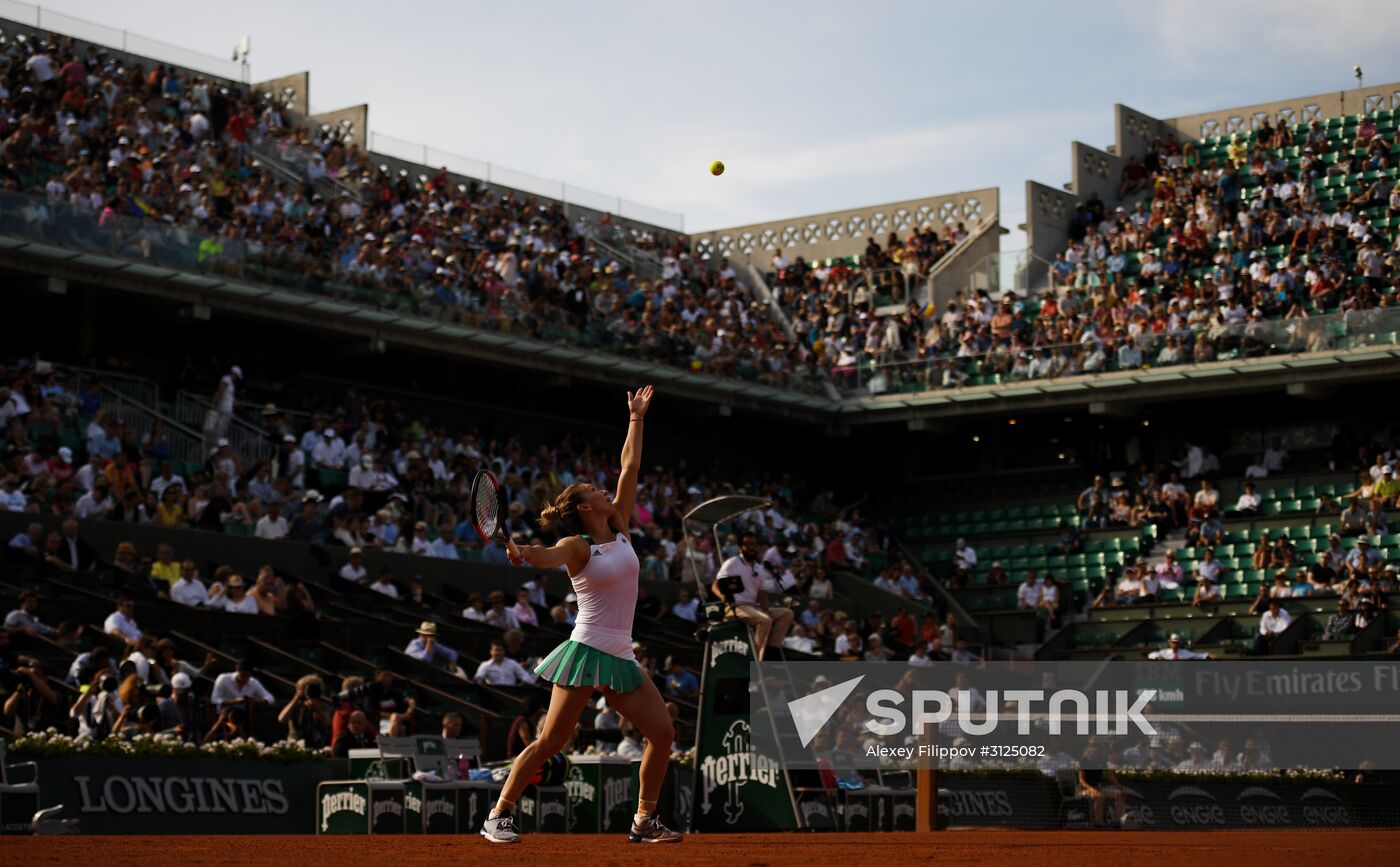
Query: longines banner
{"points": [[185, 796]]}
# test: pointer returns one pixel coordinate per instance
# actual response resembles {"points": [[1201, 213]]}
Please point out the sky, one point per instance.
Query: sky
{"points": [[812, 106]]}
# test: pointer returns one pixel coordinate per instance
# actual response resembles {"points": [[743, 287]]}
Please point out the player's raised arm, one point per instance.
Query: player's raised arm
{"points": [[626, 495], [571, 551]]}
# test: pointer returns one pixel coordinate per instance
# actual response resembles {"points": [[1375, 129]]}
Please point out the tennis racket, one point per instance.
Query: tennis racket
{"points": [[487, 510]]}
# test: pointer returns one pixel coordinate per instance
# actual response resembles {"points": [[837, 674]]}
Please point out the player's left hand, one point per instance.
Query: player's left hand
{"points": [[513, 553], [637, 403]]}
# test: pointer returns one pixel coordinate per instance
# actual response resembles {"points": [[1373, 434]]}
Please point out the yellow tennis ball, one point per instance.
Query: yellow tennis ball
{"points": [[716, 168]]}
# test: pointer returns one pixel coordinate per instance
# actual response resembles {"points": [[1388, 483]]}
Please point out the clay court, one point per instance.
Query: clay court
{"points": [[1047, 849]]}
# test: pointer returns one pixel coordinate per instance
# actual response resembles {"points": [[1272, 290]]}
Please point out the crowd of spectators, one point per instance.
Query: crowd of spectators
{"points": [[166, 162], [361, 475], [1188, 268], [150, 160]]}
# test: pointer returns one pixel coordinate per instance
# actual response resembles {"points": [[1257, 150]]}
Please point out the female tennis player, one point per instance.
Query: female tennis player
{"points": [[598, 655]]}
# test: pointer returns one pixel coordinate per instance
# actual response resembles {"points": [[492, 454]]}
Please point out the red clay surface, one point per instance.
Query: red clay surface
{"points": [[991, 847]]}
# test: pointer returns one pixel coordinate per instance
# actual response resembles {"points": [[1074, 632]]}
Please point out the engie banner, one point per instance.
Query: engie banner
{"points": [[185, 796]]}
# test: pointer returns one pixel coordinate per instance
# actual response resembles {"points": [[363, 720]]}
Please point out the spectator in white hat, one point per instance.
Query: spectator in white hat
{"points": [[329, 453], [61, 467], [427, 647]]}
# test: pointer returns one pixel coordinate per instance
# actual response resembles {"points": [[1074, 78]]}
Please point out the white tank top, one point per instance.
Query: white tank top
{"points": [[607, 597]]}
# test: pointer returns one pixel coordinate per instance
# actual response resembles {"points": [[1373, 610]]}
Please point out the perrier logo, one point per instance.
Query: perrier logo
{"points": [[341, 802], [578, 788]]}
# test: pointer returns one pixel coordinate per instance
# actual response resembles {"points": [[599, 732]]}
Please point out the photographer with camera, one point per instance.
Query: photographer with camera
{"points": [[232, 723], [25, 686], [98, 707], [304, 717], [347, 701], [180, 713]]}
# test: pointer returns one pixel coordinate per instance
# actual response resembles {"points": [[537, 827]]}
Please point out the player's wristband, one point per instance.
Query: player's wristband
{"points": [[634, 418]]}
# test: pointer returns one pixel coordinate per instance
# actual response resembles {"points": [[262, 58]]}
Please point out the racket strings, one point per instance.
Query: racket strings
{"points": [[487, 508]]}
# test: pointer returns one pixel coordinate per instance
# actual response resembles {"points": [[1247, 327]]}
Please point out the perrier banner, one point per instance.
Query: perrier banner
{"points": [[736, 789]]}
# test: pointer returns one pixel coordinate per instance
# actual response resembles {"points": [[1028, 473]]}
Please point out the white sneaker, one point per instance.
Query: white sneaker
{"points": [[501, 829], [650, 830]]}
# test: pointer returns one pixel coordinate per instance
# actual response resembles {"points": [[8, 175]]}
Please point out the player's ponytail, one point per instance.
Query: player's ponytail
{"points": [[564, 510]]}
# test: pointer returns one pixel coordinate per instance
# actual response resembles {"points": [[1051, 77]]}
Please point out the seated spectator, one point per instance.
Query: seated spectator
{"points": [[188, 589], [235, 597], [686, 606], [269, 592], [680, 682], [1272, 624], [427, 647], [875, 650], [445, 546], [525, 612], [358, 735], [1247, 506], [500, 670], [962, 654], [122, 622], [1071, 540], [25, 619], [1342, 624], [499, 615], [1353, 519], [384, 583], [239, 687], [1206, 592], [799, 640], [476, 608], [165, 569], [848, 643], [272, 525], [630, 747], [525, 728], [354, 568]]}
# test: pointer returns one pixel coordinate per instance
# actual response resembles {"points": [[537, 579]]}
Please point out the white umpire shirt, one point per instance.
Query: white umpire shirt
{"points": [[738, 566]]}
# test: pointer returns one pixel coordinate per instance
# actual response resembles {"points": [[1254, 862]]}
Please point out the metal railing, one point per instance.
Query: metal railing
{"points": [[293, 160], [498, 175], [244, 439], [137, 388], [881, 283], [132, 43], [990, 224], [186, 445], [1005, 363]]}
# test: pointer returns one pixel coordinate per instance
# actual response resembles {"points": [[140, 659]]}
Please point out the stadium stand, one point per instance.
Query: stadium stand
{"points": [[254, 561], [149, 161], [362, 519]]}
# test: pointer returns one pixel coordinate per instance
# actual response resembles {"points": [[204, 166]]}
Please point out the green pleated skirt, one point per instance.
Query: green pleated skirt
{"points": [[575, 664]]}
